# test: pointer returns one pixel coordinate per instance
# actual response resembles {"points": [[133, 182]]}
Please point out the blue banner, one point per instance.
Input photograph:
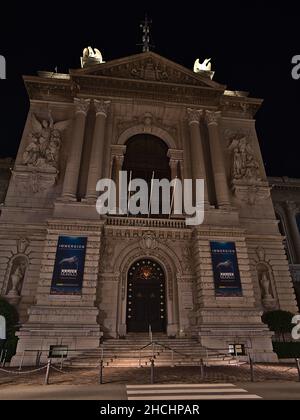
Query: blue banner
{"points": [[69, 266], [226, 271]]}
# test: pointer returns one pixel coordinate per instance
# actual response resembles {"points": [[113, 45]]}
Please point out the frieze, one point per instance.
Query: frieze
{"points": [[99, 86]]}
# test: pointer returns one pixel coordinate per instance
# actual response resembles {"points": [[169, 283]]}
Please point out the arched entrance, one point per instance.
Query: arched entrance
{"points": [[146, 297]]}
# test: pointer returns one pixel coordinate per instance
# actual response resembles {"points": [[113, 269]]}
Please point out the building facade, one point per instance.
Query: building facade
{"points": [[286, 199], [143, 114], [6, 166]]}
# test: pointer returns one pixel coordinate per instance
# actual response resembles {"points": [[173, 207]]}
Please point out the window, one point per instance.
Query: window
{"points": [[236, 349], [147, 158]]}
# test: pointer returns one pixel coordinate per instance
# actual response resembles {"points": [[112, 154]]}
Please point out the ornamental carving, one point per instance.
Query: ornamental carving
{"points": [[106, 258], [23, 244], [151, 69], [244, 164], [102, 107], [147, 121], [44, 145], [149, 241], [194, 115], [82, 105]]}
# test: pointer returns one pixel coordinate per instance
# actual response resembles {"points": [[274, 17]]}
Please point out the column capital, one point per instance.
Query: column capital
{"points": [[292, 207], [212, 117], [175, 154], [102, 107], [82, 105], [119, 161], [194, 115], [173, 163]]}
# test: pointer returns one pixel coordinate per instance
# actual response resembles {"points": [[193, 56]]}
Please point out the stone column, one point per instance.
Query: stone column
{"points": [[96, 159], [217, 157], [197, 151], [291, 212], [117, 154], [118, 168], [173, 165], [74, 158]]}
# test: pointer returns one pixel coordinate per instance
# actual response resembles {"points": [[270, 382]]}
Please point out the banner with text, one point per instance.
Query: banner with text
{"points": [[69, 266], [226, 271]]}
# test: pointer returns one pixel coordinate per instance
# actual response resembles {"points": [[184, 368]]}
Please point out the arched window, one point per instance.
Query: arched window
{"points": [[146, 158]]}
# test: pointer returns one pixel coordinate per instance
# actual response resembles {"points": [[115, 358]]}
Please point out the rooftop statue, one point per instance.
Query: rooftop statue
{"points": [[205, 66], [91, 57]]}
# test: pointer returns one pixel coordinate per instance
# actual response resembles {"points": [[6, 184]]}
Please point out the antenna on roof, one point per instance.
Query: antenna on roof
{"points": [[146, 26]]}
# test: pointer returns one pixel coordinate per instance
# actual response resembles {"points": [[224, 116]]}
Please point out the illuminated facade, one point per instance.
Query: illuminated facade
{"points": [[142, 114]]}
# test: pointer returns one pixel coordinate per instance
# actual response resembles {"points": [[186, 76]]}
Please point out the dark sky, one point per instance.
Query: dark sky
{"points": [[251, 48]]}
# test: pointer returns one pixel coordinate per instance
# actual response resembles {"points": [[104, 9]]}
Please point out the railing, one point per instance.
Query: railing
{"points": [[145, 222]]}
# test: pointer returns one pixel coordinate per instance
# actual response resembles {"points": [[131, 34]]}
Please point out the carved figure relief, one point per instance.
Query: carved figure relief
{"points": [[44, 143], [244, 166]]}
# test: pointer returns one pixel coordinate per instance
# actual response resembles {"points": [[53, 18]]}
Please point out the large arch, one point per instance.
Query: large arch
{"points": [[172, 270], [142, 129]]}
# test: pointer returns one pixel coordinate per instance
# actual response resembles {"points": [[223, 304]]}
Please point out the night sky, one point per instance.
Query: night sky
{"points": [[251, 49]]}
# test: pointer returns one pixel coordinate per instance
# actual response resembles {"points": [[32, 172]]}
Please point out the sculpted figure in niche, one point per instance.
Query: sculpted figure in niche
{"points": [[265, 286], [16, 279], [45, 143]]}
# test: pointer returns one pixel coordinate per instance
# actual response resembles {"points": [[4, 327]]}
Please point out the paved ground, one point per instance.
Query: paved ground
{"points": [[135, 376], [269, 390], [271, 382]]}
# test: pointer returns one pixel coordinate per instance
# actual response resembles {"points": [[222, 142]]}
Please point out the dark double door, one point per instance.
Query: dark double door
{"points": [[146, 300]]}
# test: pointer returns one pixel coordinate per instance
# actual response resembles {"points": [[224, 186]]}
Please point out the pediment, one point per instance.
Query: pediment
{"points": [[148, 67]]}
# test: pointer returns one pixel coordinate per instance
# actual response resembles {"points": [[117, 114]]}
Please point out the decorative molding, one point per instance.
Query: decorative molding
{"points": [[102, 107], [149, 241], [194, 115], [82, 105], [34, 181], [212, 117], [23, 244]]}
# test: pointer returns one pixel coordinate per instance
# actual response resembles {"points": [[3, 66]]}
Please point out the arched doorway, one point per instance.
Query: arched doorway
{"points": [[146, 297]]}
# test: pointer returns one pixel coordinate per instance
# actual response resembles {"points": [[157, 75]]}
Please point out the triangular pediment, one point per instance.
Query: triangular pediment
{"points": [[150, 67]]}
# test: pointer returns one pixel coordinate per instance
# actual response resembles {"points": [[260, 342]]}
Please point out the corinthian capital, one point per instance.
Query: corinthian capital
{"points": [[292, 207], [82, 105], [102, 107], [194, 115], [212, 117]]}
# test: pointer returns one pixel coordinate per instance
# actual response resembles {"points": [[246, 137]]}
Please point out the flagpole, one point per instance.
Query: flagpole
{"points": [[149, 208]]}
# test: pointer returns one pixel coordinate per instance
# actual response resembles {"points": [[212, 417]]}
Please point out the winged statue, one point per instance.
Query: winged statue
{"points": [[205, 66], [44, 142]]}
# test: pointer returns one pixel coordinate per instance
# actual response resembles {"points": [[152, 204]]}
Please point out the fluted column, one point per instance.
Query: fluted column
{"points": [[217, 157], [74, 158], [118, 168], [197, 151], [96, 159], [291, 212]]}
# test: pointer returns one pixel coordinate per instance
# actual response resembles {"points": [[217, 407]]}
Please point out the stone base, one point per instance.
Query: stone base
{"points": [[75, 327], [257, 341], [33, 340]]}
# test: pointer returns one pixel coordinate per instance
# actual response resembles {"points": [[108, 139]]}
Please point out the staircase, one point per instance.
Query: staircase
{"points": [[136, 351]]}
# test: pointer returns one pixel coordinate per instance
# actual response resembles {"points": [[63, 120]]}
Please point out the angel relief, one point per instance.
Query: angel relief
{"points": [[244, 163], [45, 143]]}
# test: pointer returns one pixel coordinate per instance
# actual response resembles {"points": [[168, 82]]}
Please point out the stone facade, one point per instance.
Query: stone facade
{"points": [[76, 132], [5, 173], [286, 199]]}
